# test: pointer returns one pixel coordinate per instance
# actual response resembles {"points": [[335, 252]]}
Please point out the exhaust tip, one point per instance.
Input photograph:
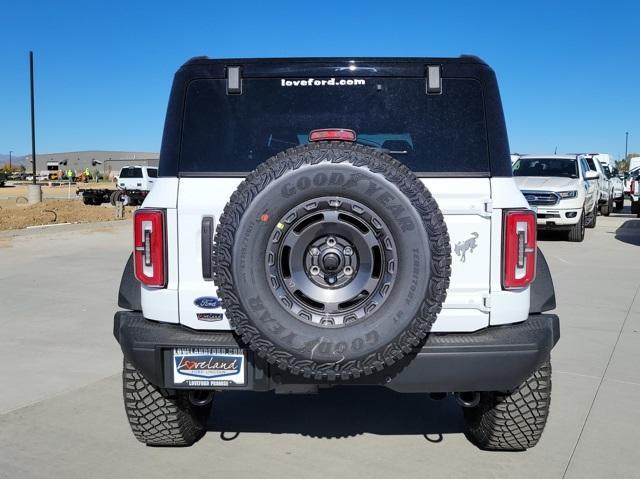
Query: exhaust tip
{"points": [[468, 398], [200, 397]]}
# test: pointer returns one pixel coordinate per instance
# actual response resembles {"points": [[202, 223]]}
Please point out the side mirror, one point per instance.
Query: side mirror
{"points": [[591, 175]]}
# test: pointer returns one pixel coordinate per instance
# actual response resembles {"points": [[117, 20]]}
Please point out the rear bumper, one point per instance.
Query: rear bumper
{"points": [[496, 358]]}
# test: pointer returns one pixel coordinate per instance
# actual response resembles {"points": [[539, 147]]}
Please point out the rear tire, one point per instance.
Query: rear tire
{"points": [[635, 207], [158, 418], [511, 421], [576, 233]]}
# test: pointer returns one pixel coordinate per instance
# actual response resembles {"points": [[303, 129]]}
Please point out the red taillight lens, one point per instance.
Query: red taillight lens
{"points": [[519, 248], [332, 134], [149, 247]]}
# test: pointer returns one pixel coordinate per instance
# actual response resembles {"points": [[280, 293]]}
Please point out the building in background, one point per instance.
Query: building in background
{"points": [[106, 162]]}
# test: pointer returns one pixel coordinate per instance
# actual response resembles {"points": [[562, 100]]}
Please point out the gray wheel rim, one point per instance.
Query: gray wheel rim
{"points": [[331, 261]]}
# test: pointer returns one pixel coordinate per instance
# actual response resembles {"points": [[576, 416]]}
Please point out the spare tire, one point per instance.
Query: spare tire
{"points": [[332, 260]]}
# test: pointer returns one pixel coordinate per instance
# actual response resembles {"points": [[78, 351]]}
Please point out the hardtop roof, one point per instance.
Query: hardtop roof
{"points": [[462, 59]]}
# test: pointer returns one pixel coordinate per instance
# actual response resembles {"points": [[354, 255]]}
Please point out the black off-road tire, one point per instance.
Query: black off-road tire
{"points": [[158, 418], [511, 421], [635, 207], [310, 350], [576, 233], [607, 208]]}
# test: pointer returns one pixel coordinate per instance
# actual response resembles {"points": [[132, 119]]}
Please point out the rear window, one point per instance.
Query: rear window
{"points": [[131, 173], [226, 134]]}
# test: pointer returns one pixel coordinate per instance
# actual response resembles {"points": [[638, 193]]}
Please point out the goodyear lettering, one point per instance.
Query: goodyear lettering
{"points": [[373, 190]]}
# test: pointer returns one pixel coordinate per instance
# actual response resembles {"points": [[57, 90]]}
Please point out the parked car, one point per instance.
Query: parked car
{"points": [[351, 242], [628, 177], [605, 197], [3, 178], [132, 187], [137, 177], [563, 188], [634, 192], [616, 185]]}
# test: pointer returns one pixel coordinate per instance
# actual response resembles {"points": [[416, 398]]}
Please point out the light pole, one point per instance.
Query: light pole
{"points": [[10, 153], [34, 190], [626, 144]]}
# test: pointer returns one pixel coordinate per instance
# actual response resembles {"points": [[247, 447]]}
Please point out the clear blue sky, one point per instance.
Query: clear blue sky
{"points": [[569, 72]]}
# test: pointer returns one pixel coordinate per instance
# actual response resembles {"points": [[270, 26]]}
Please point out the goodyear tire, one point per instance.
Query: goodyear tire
{"points": [[511, 421], [332, 261], [158, 418]]}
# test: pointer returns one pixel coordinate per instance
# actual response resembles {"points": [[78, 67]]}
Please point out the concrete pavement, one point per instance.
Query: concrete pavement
{"points": [[61, 412]]}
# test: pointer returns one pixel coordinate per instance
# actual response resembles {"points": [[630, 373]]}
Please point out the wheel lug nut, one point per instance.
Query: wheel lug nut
{"points": [[315, 251], [314, 270], [331, 241], [348, 270], [347, 251]]}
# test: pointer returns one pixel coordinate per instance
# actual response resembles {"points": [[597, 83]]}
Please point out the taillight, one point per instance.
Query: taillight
{"points": [[149, 247], [332, 134], [519, 248]]}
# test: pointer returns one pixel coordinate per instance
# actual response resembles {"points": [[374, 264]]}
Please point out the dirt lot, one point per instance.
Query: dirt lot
{"points": [[53, 211], [62, 191]]}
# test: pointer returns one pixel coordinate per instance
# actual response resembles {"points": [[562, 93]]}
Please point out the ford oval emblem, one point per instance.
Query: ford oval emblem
{"points": [[208, 302]]}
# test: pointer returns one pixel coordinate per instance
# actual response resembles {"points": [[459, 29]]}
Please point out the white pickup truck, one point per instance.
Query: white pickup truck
{"points": [[137, 177], [563, 188], [605, 195], [634, 192], [616, 185]]}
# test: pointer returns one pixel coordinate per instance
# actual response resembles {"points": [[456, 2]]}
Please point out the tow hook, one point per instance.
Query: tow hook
{"points": [[200, 397], [468, 398]]}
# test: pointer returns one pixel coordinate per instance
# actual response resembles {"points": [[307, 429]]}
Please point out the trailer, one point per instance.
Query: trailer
{"points": [[98, 196]]}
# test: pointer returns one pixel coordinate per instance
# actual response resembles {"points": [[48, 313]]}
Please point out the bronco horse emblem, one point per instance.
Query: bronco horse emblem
{"points": [[462, 247]]}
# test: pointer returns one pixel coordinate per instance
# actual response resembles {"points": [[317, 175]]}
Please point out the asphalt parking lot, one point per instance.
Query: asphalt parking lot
{"points": [[61, 412]]}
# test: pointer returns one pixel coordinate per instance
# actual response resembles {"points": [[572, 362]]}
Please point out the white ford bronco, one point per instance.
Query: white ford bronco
{"points": [[329, 221]]}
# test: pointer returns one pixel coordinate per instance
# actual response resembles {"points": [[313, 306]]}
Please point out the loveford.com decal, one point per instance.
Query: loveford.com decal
{"points": [[324, 82], [208, 366]]}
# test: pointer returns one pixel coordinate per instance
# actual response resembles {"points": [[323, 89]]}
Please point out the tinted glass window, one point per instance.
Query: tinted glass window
{"points": [[131, 173], [152, 172], [429, 133], [585, 167], [546, 167]]}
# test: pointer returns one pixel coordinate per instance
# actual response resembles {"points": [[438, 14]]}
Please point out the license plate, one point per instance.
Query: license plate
{"points": [[206, 367]]}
